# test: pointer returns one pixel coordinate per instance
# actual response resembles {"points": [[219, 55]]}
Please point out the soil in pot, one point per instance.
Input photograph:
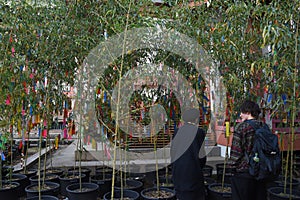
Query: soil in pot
{"points": [[56, 171], [217, 192], [68, 179], [48, 188], [104, 182], [277, 193], [48, 178], [129, 185], [22, 180], [161, 194], [124, 195], [88, 191], [9, 190], [84, 170]]}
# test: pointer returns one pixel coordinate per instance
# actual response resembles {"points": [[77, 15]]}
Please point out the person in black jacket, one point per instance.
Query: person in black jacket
{"points": [[188, 158]]}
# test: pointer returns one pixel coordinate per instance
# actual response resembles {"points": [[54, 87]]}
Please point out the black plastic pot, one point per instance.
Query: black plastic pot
{"points": [[215, 194], [229, 172], [131, 194], [48, 178], [6, 169], [165, 182], [56, 171], [136, 176], [84, 170], [68, 179], [165, 170], [89, 191], [28, 173], [166, 194], [207, 171], [277, 193], [130, 185], [43, 197], [208, 181], [281, 180], [22, 180], [103, 170], [10, 193], [104, 182], [32, 190]]}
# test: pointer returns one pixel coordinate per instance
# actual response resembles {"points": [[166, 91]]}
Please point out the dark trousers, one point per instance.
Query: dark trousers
{"points": [[190, 195], [245, 187]]}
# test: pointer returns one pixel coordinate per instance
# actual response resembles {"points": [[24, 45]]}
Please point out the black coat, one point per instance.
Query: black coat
{"points": [[187, 159]]}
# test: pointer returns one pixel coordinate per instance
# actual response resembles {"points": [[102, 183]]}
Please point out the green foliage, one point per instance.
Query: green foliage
{"points": [[53, 40]]}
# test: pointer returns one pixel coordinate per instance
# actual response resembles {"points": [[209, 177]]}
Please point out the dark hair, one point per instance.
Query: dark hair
{"points": [[251, 107]]}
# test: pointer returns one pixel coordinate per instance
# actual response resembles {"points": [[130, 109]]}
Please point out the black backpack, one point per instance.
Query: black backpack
{"points": [[265, 159]]}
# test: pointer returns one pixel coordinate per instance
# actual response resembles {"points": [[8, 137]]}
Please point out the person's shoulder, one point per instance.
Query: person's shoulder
{"points": [[242, 125]]}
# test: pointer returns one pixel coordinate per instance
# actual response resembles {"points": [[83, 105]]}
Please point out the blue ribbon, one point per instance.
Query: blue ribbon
{"points": [[2, 156], [269, 98], [104, 96], [284, 98], [30, 110]]}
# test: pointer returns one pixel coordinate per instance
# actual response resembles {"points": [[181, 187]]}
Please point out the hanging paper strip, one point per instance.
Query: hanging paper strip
{"points": [[7, 101], [94, 144], [284, 98], [23, 137], [31, 76], [38, 119], [107, 152], [84, 140], [44, 133], [31, 111], [205, 97], [104, 97], [2, 156], [65, 133], [88, 139], [45, 81], [19, 126], [13, 52], [269, 98], [173, 115]]}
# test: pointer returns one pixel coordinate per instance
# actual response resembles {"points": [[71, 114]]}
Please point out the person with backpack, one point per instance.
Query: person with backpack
{"points": [[255, 154]]}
